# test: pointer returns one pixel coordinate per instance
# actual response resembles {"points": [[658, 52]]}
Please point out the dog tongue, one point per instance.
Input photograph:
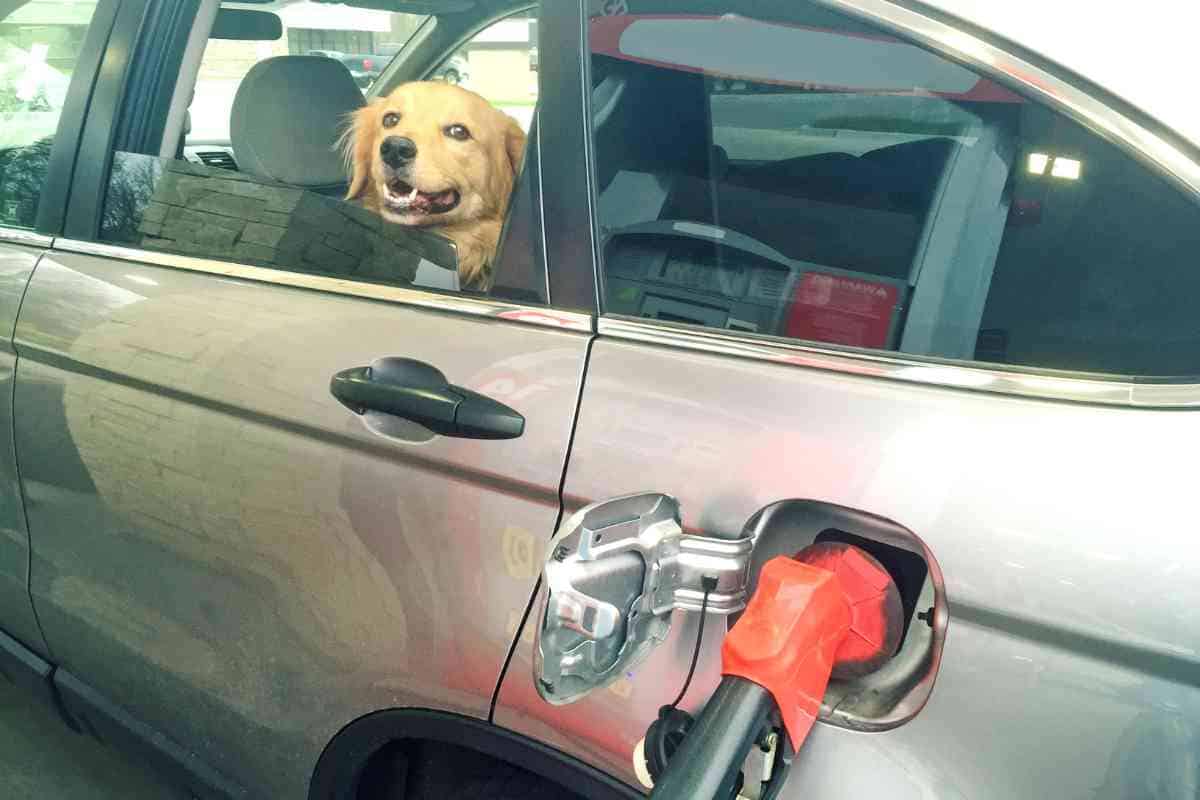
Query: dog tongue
{"points": [[430, 200]]}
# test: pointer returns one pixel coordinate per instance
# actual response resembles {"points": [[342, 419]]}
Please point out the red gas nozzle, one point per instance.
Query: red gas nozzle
{"points": [[832, 608]]}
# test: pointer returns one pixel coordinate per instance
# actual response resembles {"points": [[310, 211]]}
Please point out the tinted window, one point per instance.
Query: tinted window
{"points": [[776, 169], [40, 43]]}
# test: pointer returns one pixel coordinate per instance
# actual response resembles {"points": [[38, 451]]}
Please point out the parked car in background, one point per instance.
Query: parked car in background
{"points": [[363, 68], [276, 495], [456, 70], [366, 69]]}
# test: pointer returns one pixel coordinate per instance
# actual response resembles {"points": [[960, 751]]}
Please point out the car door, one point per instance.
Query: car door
{"points": [[867, 281], [48, 55], [226, 555]]}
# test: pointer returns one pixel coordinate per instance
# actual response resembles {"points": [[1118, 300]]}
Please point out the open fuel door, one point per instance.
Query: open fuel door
{"points": [[615, 572]]}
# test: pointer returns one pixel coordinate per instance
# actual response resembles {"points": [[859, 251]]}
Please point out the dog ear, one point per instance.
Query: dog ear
{"points": [[514, 144], [356, 143]]}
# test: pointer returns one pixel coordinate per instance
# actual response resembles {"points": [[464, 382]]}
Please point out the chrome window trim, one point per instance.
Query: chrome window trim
{"points": [[976, 376], [1031, 79], [29, 238], [1100, 390], [464, 305]]}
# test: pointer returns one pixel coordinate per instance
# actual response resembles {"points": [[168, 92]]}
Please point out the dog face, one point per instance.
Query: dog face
{"points": [[434, 154]]}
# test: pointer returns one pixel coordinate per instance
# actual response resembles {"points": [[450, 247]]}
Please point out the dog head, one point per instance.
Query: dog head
{"points": [[433, 154]]}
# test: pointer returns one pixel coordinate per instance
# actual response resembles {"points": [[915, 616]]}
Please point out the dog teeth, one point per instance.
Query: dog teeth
{"points": [[412, 196]]}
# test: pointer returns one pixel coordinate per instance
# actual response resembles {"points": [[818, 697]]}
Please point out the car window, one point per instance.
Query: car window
{"points": [[500, 63], [776, 169], [289, 166], [40, 43]]}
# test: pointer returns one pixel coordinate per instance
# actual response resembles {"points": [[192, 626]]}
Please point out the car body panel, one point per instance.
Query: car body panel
{"points": [[237, 559], [1073, 641], [16, 609], [245, 565]]}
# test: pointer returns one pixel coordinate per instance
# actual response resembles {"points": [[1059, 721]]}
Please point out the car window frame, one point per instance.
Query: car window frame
{"points": [[56, 187], [88, 188], [438, 39], [1152, 145]]}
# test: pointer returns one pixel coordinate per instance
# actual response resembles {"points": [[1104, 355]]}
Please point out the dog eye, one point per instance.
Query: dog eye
{"points": [[459, 132], [390, 119]]}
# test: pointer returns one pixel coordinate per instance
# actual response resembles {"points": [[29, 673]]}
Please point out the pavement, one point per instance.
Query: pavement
{"points": [[40, 757]]}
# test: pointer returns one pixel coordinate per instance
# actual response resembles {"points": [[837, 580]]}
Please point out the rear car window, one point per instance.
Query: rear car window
{"points": [[776, 169], [40, 43]]}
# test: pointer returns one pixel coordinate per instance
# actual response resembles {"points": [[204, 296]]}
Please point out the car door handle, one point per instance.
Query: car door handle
{"points": [[416, 391]]}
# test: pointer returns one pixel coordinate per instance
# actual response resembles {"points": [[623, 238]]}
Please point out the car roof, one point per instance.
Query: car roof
{"points": [[1139, 52]]}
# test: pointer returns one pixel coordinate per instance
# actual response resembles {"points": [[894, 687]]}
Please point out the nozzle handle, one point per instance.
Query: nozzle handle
{"points": [[708, 761]]}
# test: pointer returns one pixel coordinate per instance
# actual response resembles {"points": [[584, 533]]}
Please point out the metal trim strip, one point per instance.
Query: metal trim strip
{"points": [[469, 306], [1080, 389], [28, 238]]}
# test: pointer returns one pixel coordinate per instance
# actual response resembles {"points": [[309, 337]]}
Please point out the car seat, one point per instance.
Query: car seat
{"points": [[287, 115], [649, 119]]}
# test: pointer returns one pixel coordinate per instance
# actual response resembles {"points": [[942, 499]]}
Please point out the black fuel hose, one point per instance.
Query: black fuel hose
{"points": [[707, 764]]}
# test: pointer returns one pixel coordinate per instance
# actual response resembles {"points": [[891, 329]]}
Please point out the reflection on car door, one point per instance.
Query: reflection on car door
{"points": [[16, 611], [48, 53], [243, 562]]}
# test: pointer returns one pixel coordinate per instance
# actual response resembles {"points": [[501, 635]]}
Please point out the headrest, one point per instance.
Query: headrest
{"points": [[286, 118]]}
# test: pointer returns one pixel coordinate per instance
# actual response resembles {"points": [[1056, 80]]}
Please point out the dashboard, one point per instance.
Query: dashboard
{"points": [[709, 276]]}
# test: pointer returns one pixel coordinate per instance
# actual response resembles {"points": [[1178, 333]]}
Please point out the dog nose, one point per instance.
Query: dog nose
{"points": [[397, 151]]}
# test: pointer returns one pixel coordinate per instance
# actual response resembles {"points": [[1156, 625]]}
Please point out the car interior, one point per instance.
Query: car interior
{"points": [[753, 227], [864, 215]]}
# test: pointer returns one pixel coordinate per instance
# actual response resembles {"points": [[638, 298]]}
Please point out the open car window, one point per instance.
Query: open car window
{"points": [[282, 127]]}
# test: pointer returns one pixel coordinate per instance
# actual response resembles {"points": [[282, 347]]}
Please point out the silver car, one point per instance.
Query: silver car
{"points": [[278, 497]]}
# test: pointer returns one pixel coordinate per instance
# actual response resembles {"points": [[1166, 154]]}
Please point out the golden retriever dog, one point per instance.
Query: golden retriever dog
{"points": [[439, 156]]}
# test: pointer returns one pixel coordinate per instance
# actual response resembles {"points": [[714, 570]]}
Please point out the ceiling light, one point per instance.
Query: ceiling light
{"points": [[1066, 168]]}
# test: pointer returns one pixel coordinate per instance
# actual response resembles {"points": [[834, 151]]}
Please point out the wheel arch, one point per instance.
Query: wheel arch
{"points": [[340, 768]]}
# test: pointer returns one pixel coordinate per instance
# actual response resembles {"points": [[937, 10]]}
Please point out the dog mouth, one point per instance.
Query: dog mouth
{"points": [[404, 198]]}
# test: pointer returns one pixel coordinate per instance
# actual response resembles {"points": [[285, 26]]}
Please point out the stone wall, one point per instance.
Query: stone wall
{"points": [[214, 213]]}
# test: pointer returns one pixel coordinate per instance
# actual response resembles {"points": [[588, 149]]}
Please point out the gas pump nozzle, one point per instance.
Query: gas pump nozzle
{"points": [[832, 609]]}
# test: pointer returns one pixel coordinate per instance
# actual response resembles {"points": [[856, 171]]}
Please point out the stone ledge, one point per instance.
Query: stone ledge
{"points": [[204, 211]]}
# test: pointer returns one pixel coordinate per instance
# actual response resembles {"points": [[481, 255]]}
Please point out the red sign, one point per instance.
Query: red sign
{"points": [[842, 310]]}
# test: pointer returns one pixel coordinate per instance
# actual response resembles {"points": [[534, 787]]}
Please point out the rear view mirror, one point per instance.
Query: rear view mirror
{"points": [[247, 26]]}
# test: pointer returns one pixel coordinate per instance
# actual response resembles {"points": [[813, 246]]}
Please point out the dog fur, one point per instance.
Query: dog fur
{"points": [[466, 151]]}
